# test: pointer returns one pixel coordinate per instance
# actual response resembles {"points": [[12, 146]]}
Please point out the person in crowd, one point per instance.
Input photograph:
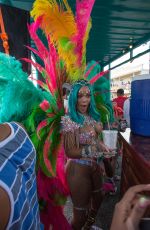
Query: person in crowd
{"points": [[81, 129], [18, 191], [66, 90], [129, 211], [119, 101], [126, 111]]}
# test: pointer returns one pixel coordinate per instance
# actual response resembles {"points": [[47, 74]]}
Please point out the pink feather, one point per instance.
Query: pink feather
{"points": [[97, 76], [90, 69], [36, 65], [40, 83], [50, 64], [40, 126], [42, 52], [47, 162], [34, 51], [52, 216], [45, 105], [60, 169], [108, 187], [39, 44], [83, 12], [49, 57], [48, 187]]}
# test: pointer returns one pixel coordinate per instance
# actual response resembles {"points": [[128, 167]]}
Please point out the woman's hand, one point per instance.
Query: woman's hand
{"points": [[129, 211], [103, 147], [115, 125]]}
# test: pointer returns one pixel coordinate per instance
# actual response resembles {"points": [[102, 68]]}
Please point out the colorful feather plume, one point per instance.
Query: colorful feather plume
{"points": [[67, 35], [101, 87], [15, 87], [68, 32], [83, 12], [52, 187], [48, 130]]}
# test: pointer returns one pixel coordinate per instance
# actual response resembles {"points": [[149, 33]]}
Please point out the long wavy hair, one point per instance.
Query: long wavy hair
{"points": [[73, 97]]}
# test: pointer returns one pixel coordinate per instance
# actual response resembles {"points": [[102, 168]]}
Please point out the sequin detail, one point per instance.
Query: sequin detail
{"points": [[83, 137], [67, 125], [89, 121]]}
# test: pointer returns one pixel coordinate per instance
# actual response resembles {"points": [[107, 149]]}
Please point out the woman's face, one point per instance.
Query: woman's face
{"points": [[84, 98]]}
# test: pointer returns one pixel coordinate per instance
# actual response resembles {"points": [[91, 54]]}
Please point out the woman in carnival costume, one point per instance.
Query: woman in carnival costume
{"points": [[83, 147], [68, 35], [104, 106]]}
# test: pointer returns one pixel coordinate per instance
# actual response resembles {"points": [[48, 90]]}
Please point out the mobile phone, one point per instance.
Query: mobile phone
{"points": [[144, 224]]}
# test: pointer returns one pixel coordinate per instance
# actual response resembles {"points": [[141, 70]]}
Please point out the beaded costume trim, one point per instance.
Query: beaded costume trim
{"points": [[70, 126], [67, 125]]}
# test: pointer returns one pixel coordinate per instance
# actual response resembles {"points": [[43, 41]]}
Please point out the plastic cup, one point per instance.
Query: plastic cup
{"points": [[110, 138]]}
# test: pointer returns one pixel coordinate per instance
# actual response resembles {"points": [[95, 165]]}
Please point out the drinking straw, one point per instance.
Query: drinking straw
{"points": [[108, 121]]}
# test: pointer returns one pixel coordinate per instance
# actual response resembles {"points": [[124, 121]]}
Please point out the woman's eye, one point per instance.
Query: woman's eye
{"points": [[84, 95], [80, 95], [88, 95]]}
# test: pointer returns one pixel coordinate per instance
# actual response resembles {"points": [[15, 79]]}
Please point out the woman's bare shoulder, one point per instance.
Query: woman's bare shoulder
{"points": [[5, 131]]}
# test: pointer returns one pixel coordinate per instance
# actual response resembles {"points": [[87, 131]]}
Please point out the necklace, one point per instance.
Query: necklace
{"points": [[88, 120]]}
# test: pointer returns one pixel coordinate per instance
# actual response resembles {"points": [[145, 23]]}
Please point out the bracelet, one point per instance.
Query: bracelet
{"points": [[86, 151], [83, 153]]}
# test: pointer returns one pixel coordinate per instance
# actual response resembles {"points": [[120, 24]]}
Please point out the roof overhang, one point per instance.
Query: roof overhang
{"points": [[117, 25]]}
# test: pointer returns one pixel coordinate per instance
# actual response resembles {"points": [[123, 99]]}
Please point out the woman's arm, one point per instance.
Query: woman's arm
{"points": [[71, 145], [4, 208], [98, 127]]}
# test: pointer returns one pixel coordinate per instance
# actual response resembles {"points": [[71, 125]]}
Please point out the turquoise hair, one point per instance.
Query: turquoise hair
{"points": [[102, 92], [73, 113]]}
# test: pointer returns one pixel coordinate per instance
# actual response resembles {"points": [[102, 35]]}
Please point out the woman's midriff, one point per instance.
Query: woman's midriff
{"points": [[80, 166]]}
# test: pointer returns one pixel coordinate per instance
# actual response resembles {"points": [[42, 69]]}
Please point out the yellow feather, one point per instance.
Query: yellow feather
{"points": [[56, 21], [59, 22], [67, 5], [85, 42]]}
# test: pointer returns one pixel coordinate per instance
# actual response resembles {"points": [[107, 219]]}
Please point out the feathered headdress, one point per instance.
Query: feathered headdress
{"points": [[52, 187], [101, 87], [66, 37], [53, 73], [69, 33]]}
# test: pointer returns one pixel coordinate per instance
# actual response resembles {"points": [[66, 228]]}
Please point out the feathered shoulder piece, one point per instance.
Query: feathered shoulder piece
{"points": [[18, 95], [68, 125]]}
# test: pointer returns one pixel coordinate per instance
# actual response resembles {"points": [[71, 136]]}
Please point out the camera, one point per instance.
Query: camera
{"points": [[144, 224]]}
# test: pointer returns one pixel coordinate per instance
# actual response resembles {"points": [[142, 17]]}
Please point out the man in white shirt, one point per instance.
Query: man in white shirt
{"points": [[126, 111]]}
